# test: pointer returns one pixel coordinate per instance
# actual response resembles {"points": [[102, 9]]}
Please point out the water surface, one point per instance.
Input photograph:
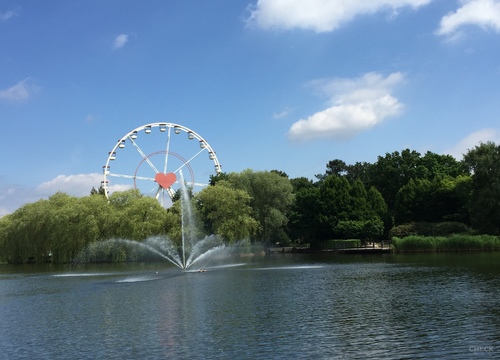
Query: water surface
{"points": [[278, 307]]}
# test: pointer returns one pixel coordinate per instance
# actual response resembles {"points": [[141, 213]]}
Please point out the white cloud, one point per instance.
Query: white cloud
{"points": [[473, 140], [19, 92], [482, 13], [8, 14], [282, 114], [320, 15], [120, 41], [90, 118], [357, 105], [75, 185], [14, 196]]}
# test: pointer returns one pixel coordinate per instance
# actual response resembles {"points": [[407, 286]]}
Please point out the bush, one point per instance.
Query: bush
{"points": [[429, 229]]}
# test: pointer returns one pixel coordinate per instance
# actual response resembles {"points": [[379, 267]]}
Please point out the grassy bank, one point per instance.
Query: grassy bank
{"points": [[417, 243]]}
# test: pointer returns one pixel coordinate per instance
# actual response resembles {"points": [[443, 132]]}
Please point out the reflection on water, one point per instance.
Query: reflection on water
{"points": [[278, 307]]}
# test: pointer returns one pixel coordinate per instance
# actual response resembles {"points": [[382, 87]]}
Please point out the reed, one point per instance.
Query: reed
{"points": [[451, 243], [413, 243]]}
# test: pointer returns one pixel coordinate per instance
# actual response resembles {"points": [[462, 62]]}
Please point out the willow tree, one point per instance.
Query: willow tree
{"points": [[139, 216], [25, 233], [271, 197], [227, 212]]}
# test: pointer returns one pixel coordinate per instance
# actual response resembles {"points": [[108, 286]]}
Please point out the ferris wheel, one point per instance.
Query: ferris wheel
{"points": [[156, 159]]}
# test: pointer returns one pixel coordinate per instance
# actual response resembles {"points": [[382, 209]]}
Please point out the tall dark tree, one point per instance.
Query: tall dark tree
{"points": [[218, 177], [281, 173], [431, 201], [304, 215], [99, 191], [390, 173], [346, 211], [484, 201], [359, 171], [395, 170]]}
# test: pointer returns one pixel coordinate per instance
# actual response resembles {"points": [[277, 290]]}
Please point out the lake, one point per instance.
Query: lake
{"points": [[414, 306]]}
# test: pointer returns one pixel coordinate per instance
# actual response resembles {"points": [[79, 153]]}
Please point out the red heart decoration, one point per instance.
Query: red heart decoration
{"points": [[165, 180]]}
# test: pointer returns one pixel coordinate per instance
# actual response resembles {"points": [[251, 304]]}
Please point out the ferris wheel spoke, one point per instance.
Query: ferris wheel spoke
{"points": [[188, 161], [123, 176], [199, 184], [192, 183], [139, 150], [160, 195], [166, 151], [152, 190], [158, 191]]}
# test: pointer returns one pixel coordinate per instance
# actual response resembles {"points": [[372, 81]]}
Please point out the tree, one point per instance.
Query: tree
{"points": [[26, 234], [281, 173], [484, 202], [303, 219], [346, 210], [335, 167], [390, 173], [217, 177], [271, 197], [432, 201], [413, 201], [335, 201], [99, 191], [227, 211], [139, 216], [393, 171], [442, 166], [142, 218], [379, 207]]}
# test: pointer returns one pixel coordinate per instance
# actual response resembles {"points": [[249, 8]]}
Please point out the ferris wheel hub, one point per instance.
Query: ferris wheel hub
{"points": [[165, 180]]}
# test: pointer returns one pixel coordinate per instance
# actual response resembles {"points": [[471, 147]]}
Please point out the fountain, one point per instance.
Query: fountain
{"points": [[192, 250]]}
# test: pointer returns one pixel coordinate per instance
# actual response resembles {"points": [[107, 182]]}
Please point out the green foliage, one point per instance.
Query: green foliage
{"points": [[414, 243], [227, 212], [305, 210], [271, 197], [432, 195], [98, 191], [451, 243], [444, 228], [390, 173], [218, 177], [430, 200], [484, 200], [59, 228], [367, 229], [116, 250], [347, 210]]}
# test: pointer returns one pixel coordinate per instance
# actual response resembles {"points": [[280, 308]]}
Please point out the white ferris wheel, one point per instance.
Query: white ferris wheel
{"points": [[156, 158]]}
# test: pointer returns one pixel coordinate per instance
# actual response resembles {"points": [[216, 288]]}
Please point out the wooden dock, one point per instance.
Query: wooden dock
{"points": [[365, 250]]}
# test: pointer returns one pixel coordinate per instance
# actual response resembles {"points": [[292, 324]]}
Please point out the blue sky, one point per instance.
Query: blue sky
{"points": [[270, 84]]}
